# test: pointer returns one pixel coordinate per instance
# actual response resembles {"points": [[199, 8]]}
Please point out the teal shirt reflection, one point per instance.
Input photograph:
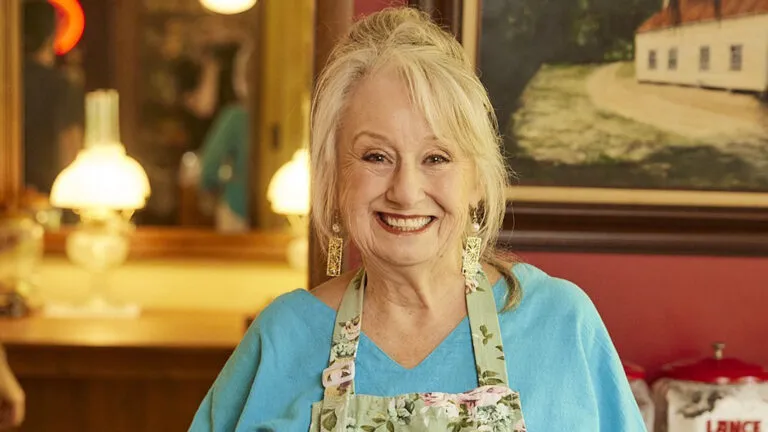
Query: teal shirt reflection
{"points": [[226, 145]]}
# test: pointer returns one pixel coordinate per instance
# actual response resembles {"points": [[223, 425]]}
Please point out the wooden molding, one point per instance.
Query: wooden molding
{"points": [[10, 102], [636, 243], [636, 229], [193, 243], [281, 120], [449, 14]]}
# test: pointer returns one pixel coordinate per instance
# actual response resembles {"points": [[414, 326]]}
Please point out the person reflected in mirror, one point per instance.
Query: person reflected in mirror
{"points": [[225, 155], [53, 104], [12, 399]]}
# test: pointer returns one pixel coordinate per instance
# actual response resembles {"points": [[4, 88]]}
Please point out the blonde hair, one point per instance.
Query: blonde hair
{"points": [[442, 84]]}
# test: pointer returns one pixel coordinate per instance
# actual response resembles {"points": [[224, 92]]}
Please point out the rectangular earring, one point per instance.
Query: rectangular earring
{"points": [[470, 262], [335, 250]]}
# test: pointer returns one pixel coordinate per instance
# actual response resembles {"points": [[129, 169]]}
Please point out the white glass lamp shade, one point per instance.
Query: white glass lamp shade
{"points": [[228, 7], [288, 190], [101, 177]]}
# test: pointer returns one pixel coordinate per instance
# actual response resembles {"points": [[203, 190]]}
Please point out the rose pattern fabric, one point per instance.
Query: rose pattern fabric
{"points": [[488, 409]]}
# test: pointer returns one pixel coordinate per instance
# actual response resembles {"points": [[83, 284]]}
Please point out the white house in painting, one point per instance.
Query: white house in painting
{"points": [[708, 43]]}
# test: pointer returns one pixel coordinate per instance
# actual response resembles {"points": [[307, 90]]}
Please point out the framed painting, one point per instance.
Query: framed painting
{"points": [[631, 125]]}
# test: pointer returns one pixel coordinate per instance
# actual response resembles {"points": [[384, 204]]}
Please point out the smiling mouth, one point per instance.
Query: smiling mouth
{"points": [[404, 224]]}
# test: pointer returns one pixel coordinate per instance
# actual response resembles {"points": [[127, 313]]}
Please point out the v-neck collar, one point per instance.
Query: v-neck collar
{"points": [[436, 352], [462, 328]]}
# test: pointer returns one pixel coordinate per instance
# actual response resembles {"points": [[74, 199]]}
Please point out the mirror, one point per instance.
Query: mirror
{"points": [[211, 105]]}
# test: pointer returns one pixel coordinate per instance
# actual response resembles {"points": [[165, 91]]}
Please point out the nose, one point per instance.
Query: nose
{"points": [[407, 186]]}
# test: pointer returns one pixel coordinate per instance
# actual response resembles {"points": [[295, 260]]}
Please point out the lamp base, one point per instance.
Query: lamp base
{"points": [[94, 308], [297, 253], [99, 244]]}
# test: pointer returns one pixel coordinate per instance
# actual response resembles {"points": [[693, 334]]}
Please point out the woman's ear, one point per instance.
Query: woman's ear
{"points": [[475, 197], [476, 191]]}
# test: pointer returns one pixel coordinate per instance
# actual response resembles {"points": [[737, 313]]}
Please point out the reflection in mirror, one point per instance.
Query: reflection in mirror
{"points": [[193, 116], [53, 98], [193, 99]]}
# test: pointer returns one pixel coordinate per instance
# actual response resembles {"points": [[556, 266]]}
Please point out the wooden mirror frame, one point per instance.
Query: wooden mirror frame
{"points": [[148, 242], [10, 102]]}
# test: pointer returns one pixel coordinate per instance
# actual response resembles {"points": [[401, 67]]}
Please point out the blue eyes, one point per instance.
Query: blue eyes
{"points": [[434, 159]]}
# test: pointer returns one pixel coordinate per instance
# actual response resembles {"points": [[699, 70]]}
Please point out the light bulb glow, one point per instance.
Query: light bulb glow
{"points": [[228, 7], [288, 190], [102, 176]]}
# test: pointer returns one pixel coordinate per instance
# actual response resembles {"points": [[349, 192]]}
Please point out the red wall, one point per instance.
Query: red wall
{"points": [[663, 308]]}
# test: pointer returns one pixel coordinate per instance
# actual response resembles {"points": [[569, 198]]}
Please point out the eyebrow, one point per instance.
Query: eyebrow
{"points": [[374, 135], [369, 134]]}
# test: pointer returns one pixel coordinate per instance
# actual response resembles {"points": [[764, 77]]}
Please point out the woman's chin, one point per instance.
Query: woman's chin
{"points": [[405, 261], [406, 255]]}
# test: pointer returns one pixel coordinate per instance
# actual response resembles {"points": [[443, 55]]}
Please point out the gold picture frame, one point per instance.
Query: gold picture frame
{"points": [[471, 36]]}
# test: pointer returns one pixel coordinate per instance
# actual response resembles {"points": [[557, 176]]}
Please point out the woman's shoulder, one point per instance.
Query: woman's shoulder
{"points": [[554, 297], [535, 281], [296, 309]]}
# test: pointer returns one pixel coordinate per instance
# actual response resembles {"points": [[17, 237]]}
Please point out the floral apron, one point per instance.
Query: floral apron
{"points": [[491, 407]]}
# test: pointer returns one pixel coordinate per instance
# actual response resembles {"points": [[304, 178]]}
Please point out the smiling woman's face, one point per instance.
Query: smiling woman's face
{"points": [[404, 195]]}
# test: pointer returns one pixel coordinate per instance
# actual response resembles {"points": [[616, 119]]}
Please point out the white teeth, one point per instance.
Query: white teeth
{"points": [[406, 224]]}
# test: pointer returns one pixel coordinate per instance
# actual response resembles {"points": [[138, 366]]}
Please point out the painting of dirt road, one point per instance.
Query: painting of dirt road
{"points": [[641, 94]]}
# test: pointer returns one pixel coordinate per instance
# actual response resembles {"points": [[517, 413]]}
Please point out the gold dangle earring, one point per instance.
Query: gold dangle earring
{"points": [[335, 250], [470, 262]]}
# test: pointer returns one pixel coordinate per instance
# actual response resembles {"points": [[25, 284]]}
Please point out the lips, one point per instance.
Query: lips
{"points": [[404, 224]]}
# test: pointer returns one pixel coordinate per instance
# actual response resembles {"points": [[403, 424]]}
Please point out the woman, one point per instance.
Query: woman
{"points": [[406, 165]]}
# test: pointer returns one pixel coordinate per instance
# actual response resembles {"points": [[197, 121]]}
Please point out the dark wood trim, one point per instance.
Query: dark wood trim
{"points": [[636, 229], [144, 374], [332, 20], [194, 243], [636, 243], [255, 111], [10, 102], [447, 13], [124, 35]]}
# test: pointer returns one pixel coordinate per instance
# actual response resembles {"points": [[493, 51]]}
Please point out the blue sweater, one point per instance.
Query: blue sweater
{"points": [[559, 357]]}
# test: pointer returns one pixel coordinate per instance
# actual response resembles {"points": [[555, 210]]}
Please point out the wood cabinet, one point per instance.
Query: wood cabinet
{"points": [[98, 375]]}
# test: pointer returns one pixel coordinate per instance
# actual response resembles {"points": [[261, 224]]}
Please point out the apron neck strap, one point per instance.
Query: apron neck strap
{"points": [[486, 335], [339, 377]]}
